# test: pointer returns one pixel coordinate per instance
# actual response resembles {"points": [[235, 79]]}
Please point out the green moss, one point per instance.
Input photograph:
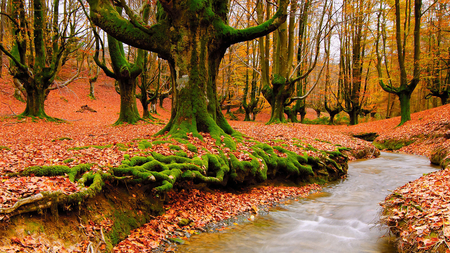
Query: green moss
{"points": [[102, 147], [40, 171], [229, 142], [124, 222], [160, 142], [62, 139], [139, 160], [79, 148], [69, 160], [174, 147], [242, 171], [392, 144], [181, 153], [32, 227], [121, 145], [176, 240], [170, 159], [91, 146], [145, 144], [192, 148], [317, 121]]}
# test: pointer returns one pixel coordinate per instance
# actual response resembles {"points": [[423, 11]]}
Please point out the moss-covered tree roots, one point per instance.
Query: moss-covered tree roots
{"points": [[226, 161]]}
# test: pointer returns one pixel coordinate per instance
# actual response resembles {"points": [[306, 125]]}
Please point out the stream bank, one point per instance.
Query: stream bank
{"points": [[343, 218], [103, 221]]}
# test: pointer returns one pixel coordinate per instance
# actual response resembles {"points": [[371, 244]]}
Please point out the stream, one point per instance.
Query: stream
{"points": [[342, 218]]}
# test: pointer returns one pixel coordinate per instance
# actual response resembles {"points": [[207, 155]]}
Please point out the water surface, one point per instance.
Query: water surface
{"points": [[343, 218]]}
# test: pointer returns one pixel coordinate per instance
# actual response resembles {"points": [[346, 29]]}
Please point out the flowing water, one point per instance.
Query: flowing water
{"points": [[343, 218]]}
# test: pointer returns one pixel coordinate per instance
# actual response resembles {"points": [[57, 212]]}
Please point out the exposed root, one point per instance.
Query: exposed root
{"points": [[220, 162]]}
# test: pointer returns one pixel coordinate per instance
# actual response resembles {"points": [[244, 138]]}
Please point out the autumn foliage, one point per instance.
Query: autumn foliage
{"points": [[88, 138], [71, 161]]}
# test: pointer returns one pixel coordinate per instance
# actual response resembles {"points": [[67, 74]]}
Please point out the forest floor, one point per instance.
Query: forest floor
{"points": [[24, 143]]}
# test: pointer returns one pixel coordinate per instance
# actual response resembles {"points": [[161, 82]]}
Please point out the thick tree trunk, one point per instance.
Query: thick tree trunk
{"points": [[405, 106], [194, 105], [143, 98], [126, 75], [128, 107], [302, 111], [354, 115], [91, 90], [35, 102], [291, 114], [247, 113], [331, 120], [444, 98], [145, 103], [277, 114], [277, 96]]}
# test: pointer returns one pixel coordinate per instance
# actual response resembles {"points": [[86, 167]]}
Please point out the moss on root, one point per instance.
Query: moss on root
{"points": [[215, 160]]}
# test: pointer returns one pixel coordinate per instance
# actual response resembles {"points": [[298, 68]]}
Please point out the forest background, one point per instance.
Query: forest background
{"points": [[337, 57]]}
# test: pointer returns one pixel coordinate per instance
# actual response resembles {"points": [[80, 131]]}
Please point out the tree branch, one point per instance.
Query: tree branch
{"points": [[232, 35], [10, 18], [16, 61], [70, 80], [310, 90], [105, 15]]}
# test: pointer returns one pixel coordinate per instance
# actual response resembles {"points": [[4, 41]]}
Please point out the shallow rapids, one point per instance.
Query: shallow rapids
{"points": [[342, 218]]}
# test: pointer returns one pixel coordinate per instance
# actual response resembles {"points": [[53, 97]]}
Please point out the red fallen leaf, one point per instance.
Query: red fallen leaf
{"points": [[428, 242], [15, 240]]}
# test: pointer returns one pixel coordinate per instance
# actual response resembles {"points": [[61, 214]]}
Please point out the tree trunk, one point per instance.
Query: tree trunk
{"points": [[354, 115], [144, 102], [2, 31], [331, 120], [405, 98], [35, 102], [128, 107], [291, 114], [195, 106], [277, 113], [91, 90], [277, 96], [444, 98]]}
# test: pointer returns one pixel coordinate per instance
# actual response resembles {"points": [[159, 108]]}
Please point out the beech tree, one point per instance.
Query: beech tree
{"points": [[193, 37], [124, 72], [353, 52], [147, 78], [438, 66], [403, 28], [41, 44], [332, 99], [282, 86]]}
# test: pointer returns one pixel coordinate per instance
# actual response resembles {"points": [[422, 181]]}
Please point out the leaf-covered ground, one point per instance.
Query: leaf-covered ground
{"points": [[88, 137]]}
